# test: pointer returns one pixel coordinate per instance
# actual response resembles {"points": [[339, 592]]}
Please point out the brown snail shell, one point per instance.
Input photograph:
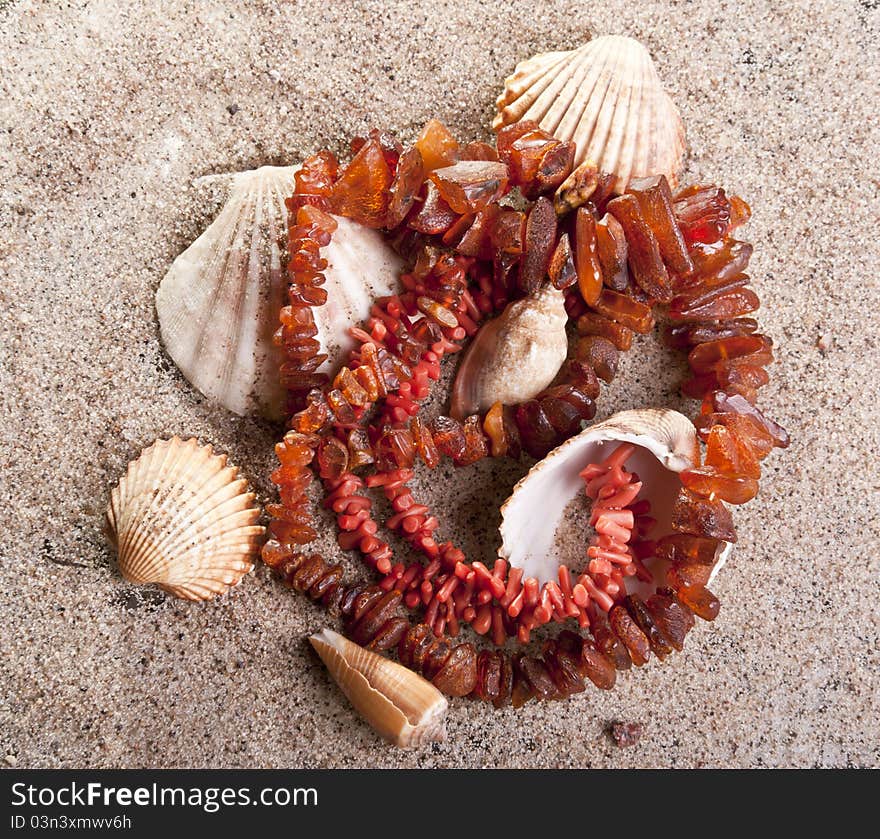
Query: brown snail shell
{"points": [[399, 704], [514, 356], [182, 518]]}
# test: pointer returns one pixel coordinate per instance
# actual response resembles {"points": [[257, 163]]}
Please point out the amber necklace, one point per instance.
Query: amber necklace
{"points": [[614, 258]]}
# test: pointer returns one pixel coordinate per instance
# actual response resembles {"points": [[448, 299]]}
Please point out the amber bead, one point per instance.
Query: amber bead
{"points": [[687, 549], [511, 432], [494, 677], [296, 449], [740, 213], [475, 442], [597, 666], [538, 162], [424, 442], [436, 145], [314, 417], [574, 394], [448, 436], [361, 193], [564, 417], [661, 645], [705, 357], [540, 242], [655, 202], [521, 692], [703, 213], [368, 622], [736, 489], [723, 304], [600, 354], [688, 575], [593, 324], [537, 434], [625, 310], [701, 517], [343, 414], [332, 458], [507, 231], [493, 425], [562, 270], [732, 403], [688, 335], [645, 261], [723, 259], [408, 180], [535, 673], [700, 601], [360, 452], [555, 166], [731, 455], [607, 641], [672, 618], [613, 252], [435, 215], [589, 269], [317, 174], [395, 449], [582, 376], [626, 629], [746, 429], [576, 189], [470, 185], [564, 669], [458, 675], [477, 150]]}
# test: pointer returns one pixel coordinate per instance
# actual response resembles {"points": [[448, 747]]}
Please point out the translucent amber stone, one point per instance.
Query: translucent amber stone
{"points": [[395, 449], [645, 261], [589, 269], [686, 549], [448, 436], [540, 241], [702, 517], [562, 269], [563, 416], [700, 601], [688, 575], [703, 213], [613, 252], [332, 458], [477, 150], [723, 259], [593, 324], [408, 180], [672, 618], [424, 442], [746, 429], [537, 434], [493, 425], [575, 394], [317, 174], [582, 376], [469, 185], [538, 162], [577, 188], [732, 403], [655, 202], [362, 191], [661, 646], [435, 215], [730, 455], [360, 452], [684, 336], [507, 232], [436, 145], [719, 305], [626, 629], [351, 389], [475, 442], [706, 481], [740, 213], [706, 357], [600, 354], [625, 310]]}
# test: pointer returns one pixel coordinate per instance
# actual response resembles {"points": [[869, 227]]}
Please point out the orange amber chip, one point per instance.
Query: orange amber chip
{"points": [[735, 489], [437, 145]]}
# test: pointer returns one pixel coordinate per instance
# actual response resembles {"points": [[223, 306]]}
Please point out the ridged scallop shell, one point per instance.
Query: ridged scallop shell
{"points": [[530, 518], [218, 304], [399, 704], [605, 96], [514, 356], [182, 518]]}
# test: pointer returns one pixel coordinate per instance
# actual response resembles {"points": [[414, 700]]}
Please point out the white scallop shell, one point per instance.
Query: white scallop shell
{"points": [[530, 518], [398, 703], [182, 518], [514, 356], [605, 96], [218, 304]]}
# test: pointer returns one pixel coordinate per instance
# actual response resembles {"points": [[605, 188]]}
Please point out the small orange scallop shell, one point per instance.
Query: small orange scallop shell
{"points": [[182, 518]]}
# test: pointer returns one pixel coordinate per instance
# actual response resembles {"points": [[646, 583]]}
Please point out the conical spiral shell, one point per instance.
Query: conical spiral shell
{"points": [[182, 518], [530, 518], [399, 704], [514, 356], [608, 99], [218, 304]]}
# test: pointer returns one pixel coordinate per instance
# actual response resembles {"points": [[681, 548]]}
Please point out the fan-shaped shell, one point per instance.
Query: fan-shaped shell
{"points": [[218, 304], [514, 356], [530, 518], [181, 517], [399, 704], [607, 98]]}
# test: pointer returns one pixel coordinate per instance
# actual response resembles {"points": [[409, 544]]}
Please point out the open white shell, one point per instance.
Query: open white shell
{"points": [[218, 304], [666, 444]]}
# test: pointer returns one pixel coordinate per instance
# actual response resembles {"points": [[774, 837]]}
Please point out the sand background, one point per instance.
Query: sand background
{"points": [[109, 110]]}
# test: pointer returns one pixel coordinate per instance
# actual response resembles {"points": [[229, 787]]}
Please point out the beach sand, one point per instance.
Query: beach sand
{"points": [[110, 110]]}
